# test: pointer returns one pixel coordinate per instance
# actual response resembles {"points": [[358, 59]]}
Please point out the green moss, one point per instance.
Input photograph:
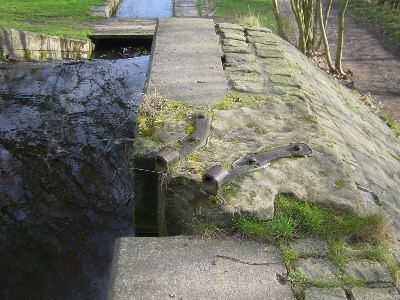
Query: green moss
{"points": [[338, 183], [193, 157], [395, 156], [239, 100], [391, 123], [189, 129], [226, 165]]}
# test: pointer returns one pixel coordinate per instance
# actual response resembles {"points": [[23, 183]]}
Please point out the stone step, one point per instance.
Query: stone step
{"points": [[125, 28], [195, 268], [186, 62]]}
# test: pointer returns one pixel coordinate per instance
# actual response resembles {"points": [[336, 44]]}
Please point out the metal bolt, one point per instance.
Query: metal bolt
{"points": [[297, 148], [252, 160]]}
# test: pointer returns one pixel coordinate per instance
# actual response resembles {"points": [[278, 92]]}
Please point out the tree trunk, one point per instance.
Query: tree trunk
{"points": [[278, 18], [324, 38], [326, 15], [339, 49], [298, 13]]}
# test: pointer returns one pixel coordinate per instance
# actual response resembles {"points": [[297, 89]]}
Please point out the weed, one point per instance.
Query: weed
{"points": [[338, 183], [391, 123], [199, 6], [206, 228], [27, 54]]}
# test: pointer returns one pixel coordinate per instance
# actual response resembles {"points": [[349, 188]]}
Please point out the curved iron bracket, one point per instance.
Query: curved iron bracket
{"points": [[217, 176], [168, 156]]}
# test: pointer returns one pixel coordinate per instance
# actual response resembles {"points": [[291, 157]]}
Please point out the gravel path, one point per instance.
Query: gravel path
{"points": [[374, 61]]}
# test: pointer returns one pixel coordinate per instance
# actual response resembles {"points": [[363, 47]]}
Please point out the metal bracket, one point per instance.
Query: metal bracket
{"points": [[167, 156], [217, 176]]}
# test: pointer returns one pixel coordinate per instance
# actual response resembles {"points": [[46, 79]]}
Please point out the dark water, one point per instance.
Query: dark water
{"points": [[145, 9], [66, 131]]}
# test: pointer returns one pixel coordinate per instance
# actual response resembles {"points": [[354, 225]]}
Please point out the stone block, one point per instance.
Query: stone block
{"points": [[324, 294], [318, 269], [363, 293], [368, 271]]}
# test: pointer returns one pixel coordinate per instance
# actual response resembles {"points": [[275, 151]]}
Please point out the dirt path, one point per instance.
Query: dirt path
{"points": [[374, 61]]}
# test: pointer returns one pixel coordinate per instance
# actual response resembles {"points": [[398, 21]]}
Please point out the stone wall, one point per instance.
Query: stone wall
{"points": [[32, 45], [108, 10]]}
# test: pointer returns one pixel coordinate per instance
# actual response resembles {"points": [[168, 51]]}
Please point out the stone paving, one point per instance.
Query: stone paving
{"points": [[353, 150]]}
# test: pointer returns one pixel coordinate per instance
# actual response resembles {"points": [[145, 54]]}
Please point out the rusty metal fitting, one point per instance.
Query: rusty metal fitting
{"points": [[167, 156], [214, 179]]}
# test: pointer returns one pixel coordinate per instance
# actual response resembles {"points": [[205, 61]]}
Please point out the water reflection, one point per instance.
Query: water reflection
{"points": [[145, 9], [65, 177]]}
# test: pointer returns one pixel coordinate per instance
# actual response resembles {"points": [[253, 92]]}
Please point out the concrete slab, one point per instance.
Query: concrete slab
{"points": [[188, 268], [125, 28], [186, 62], [186, 8]]}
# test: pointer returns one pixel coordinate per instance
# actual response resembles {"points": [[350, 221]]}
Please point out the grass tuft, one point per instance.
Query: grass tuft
{"points": [[249, 12], [294, 219], [206, 228]]}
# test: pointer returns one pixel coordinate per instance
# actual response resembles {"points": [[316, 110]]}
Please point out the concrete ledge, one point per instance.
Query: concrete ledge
{"points": [[195, 268], [32, 45]]}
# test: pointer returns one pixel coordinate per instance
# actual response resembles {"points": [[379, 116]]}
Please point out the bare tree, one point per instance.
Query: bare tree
{"points": [[339, 49], [308, 22]]}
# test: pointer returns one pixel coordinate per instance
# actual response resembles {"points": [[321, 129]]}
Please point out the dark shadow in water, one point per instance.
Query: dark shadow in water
{"points": [[66, 133], [145, 9], [121, 48]]}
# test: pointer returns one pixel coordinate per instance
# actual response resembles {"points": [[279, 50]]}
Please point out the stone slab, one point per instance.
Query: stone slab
{"points": [[125, 28], [186, 62], [309, 245], [187, 268], [362, 293], [319, 269], [368, 271], [325, 294]]}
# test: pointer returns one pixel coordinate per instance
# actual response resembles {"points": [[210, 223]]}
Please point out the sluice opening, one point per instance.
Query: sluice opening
{"points": [[121, 48]]}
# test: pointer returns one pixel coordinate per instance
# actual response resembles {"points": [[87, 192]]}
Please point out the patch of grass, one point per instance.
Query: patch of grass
{"points": [[251, 12], [294, 219], [206, 228], [189, 129], [239, 100], [391, 123], [69, 18], [154, 109], [387, 19]]}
